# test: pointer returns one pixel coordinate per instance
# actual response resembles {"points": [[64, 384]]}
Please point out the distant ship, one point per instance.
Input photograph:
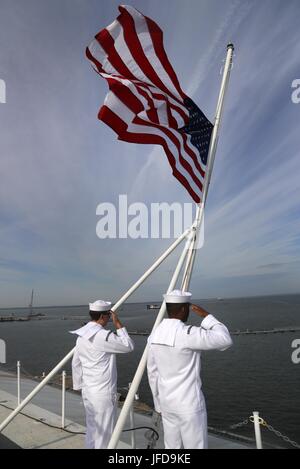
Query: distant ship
{"points": [[153, 306]]}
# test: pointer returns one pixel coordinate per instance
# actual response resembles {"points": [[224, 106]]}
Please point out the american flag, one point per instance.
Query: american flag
{"points": [[145, 103]]}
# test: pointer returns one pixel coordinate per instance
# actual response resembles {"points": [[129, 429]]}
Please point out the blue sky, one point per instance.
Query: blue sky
{"points": [[58, 162]]}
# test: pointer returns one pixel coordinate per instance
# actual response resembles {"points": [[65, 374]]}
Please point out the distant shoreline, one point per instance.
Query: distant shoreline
{"points": [[217, 299]]}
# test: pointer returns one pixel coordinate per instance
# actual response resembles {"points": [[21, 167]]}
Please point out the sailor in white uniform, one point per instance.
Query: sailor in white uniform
{"points": [[174, 370], [95, 374]]}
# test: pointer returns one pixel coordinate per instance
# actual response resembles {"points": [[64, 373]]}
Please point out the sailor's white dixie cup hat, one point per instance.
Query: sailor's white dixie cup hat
{"points": [[178, 296], [100, 306]]}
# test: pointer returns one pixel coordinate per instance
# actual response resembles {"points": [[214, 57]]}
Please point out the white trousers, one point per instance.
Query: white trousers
{"points": [[100, 413], [188, 430]]}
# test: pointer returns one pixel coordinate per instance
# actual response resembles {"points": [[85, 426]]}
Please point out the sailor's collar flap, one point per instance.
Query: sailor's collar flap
{"points": [[88, 330], [165, 333]]}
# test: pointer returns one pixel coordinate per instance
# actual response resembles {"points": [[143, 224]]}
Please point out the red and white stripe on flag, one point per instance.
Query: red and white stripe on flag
{"points": [[145, 103]]}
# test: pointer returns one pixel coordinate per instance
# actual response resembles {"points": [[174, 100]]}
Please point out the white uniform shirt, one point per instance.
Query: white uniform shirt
{"points": [[94, 360], [174, 362]]}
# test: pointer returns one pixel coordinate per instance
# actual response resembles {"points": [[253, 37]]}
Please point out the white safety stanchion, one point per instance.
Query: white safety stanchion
{"points": [[132, 423], [256, 421], [19, 381], [63, 399]]}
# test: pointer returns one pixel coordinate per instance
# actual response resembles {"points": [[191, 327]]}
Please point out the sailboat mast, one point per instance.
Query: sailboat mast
{"points": [[31, 303]]}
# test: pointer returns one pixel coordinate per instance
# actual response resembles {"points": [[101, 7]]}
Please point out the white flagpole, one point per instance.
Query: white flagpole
{"points": [[189, 263], [210, 164], [190, 255]]}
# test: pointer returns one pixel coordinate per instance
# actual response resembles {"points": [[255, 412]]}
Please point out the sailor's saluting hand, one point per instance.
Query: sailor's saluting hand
{"points": [[115, 319], [199, 311]]}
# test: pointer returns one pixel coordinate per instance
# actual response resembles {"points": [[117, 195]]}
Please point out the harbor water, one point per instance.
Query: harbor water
{"points": [[257, 373]]}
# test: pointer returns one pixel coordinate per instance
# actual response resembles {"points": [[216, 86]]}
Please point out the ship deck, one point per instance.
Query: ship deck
{"points": [[38, 426]]}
